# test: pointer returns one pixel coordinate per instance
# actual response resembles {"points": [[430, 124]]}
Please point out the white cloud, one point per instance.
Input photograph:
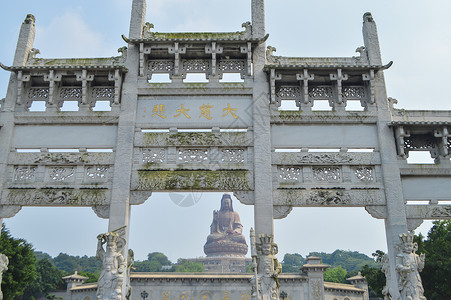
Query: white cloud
{"points": [[69, 35]]}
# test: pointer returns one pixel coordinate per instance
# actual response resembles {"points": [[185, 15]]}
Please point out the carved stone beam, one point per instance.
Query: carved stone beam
{"points": [[213, 50], [142, 51], [9, 211], [303, 80], [429, 212], [21, 78], [273, 78], [248, 50], [339, 77], [117, 78], [369, 79], [400, 134], [177, 50], [52, 79], [444, 134], [84, 77]]}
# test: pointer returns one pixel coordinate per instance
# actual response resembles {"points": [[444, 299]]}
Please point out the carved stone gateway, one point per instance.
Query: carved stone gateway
{"points": [[215, 136]]}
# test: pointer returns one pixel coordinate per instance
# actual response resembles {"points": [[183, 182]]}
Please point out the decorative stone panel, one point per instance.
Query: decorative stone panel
{"points": [[24, 173], [328, 174], [60, 174], [353, 92], [320, 92], [236, 156], [289, 174], [57, 197], [97, 173], [38, 93], [193, 180], [70, 93], [193, 156], [154, 155], [364, 174], [288, 92], [102, 93]]}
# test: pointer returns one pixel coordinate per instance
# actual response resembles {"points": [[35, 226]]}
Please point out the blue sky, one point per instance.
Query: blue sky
{"points": [[414, 34]]}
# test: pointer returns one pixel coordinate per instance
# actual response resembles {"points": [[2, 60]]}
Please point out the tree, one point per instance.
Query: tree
{"points": [[436, 273], [147, 266], [337, 274], [49, 278], [292, 263], [159, 257], [21, 269], [187, 266]]}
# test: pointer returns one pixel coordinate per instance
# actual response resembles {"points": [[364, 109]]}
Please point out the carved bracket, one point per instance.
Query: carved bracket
{"points": [[246, 198], [281, 211], [102, 211], [138, 197], [9, 211]]}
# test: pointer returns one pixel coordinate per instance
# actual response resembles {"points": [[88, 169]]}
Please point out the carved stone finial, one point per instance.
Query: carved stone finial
{"points": [[148, 26], [33, 52], [30, 19], [367, 17]]}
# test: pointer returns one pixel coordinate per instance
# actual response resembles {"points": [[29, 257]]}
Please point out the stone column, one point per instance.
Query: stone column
{"points": [[119, 214], [263, 209], [23, 48], [396, 221], [315, 272]]}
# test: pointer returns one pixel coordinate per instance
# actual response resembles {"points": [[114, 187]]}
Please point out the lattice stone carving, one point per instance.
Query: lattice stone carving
{"points": [[232, 65], [288, 92], [419, 142], [161, 66], [97, 173], [289, 173], [24, 173], [103, 93], [61, 173], [232, 156], [38, 93], [70, 93], [196, 65], [353, 92], [193, 155], [320, 92], [449, 143], [329, 174], [153, 155], [365, 174]]}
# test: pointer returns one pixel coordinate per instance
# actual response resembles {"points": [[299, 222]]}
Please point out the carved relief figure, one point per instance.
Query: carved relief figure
{"points": [[269, 267], [386, 270], [114, 265], [4, 261], [130, 263], [226, 236], [409, 265]]}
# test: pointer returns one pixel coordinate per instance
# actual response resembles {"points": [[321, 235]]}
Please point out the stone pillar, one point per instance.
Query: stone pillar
{"points": [[73, 281], [360, 282], [258, 18], [371, 40], [119, 214], [137, 19], [25, 41], [315, 272], [396, 221]]}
